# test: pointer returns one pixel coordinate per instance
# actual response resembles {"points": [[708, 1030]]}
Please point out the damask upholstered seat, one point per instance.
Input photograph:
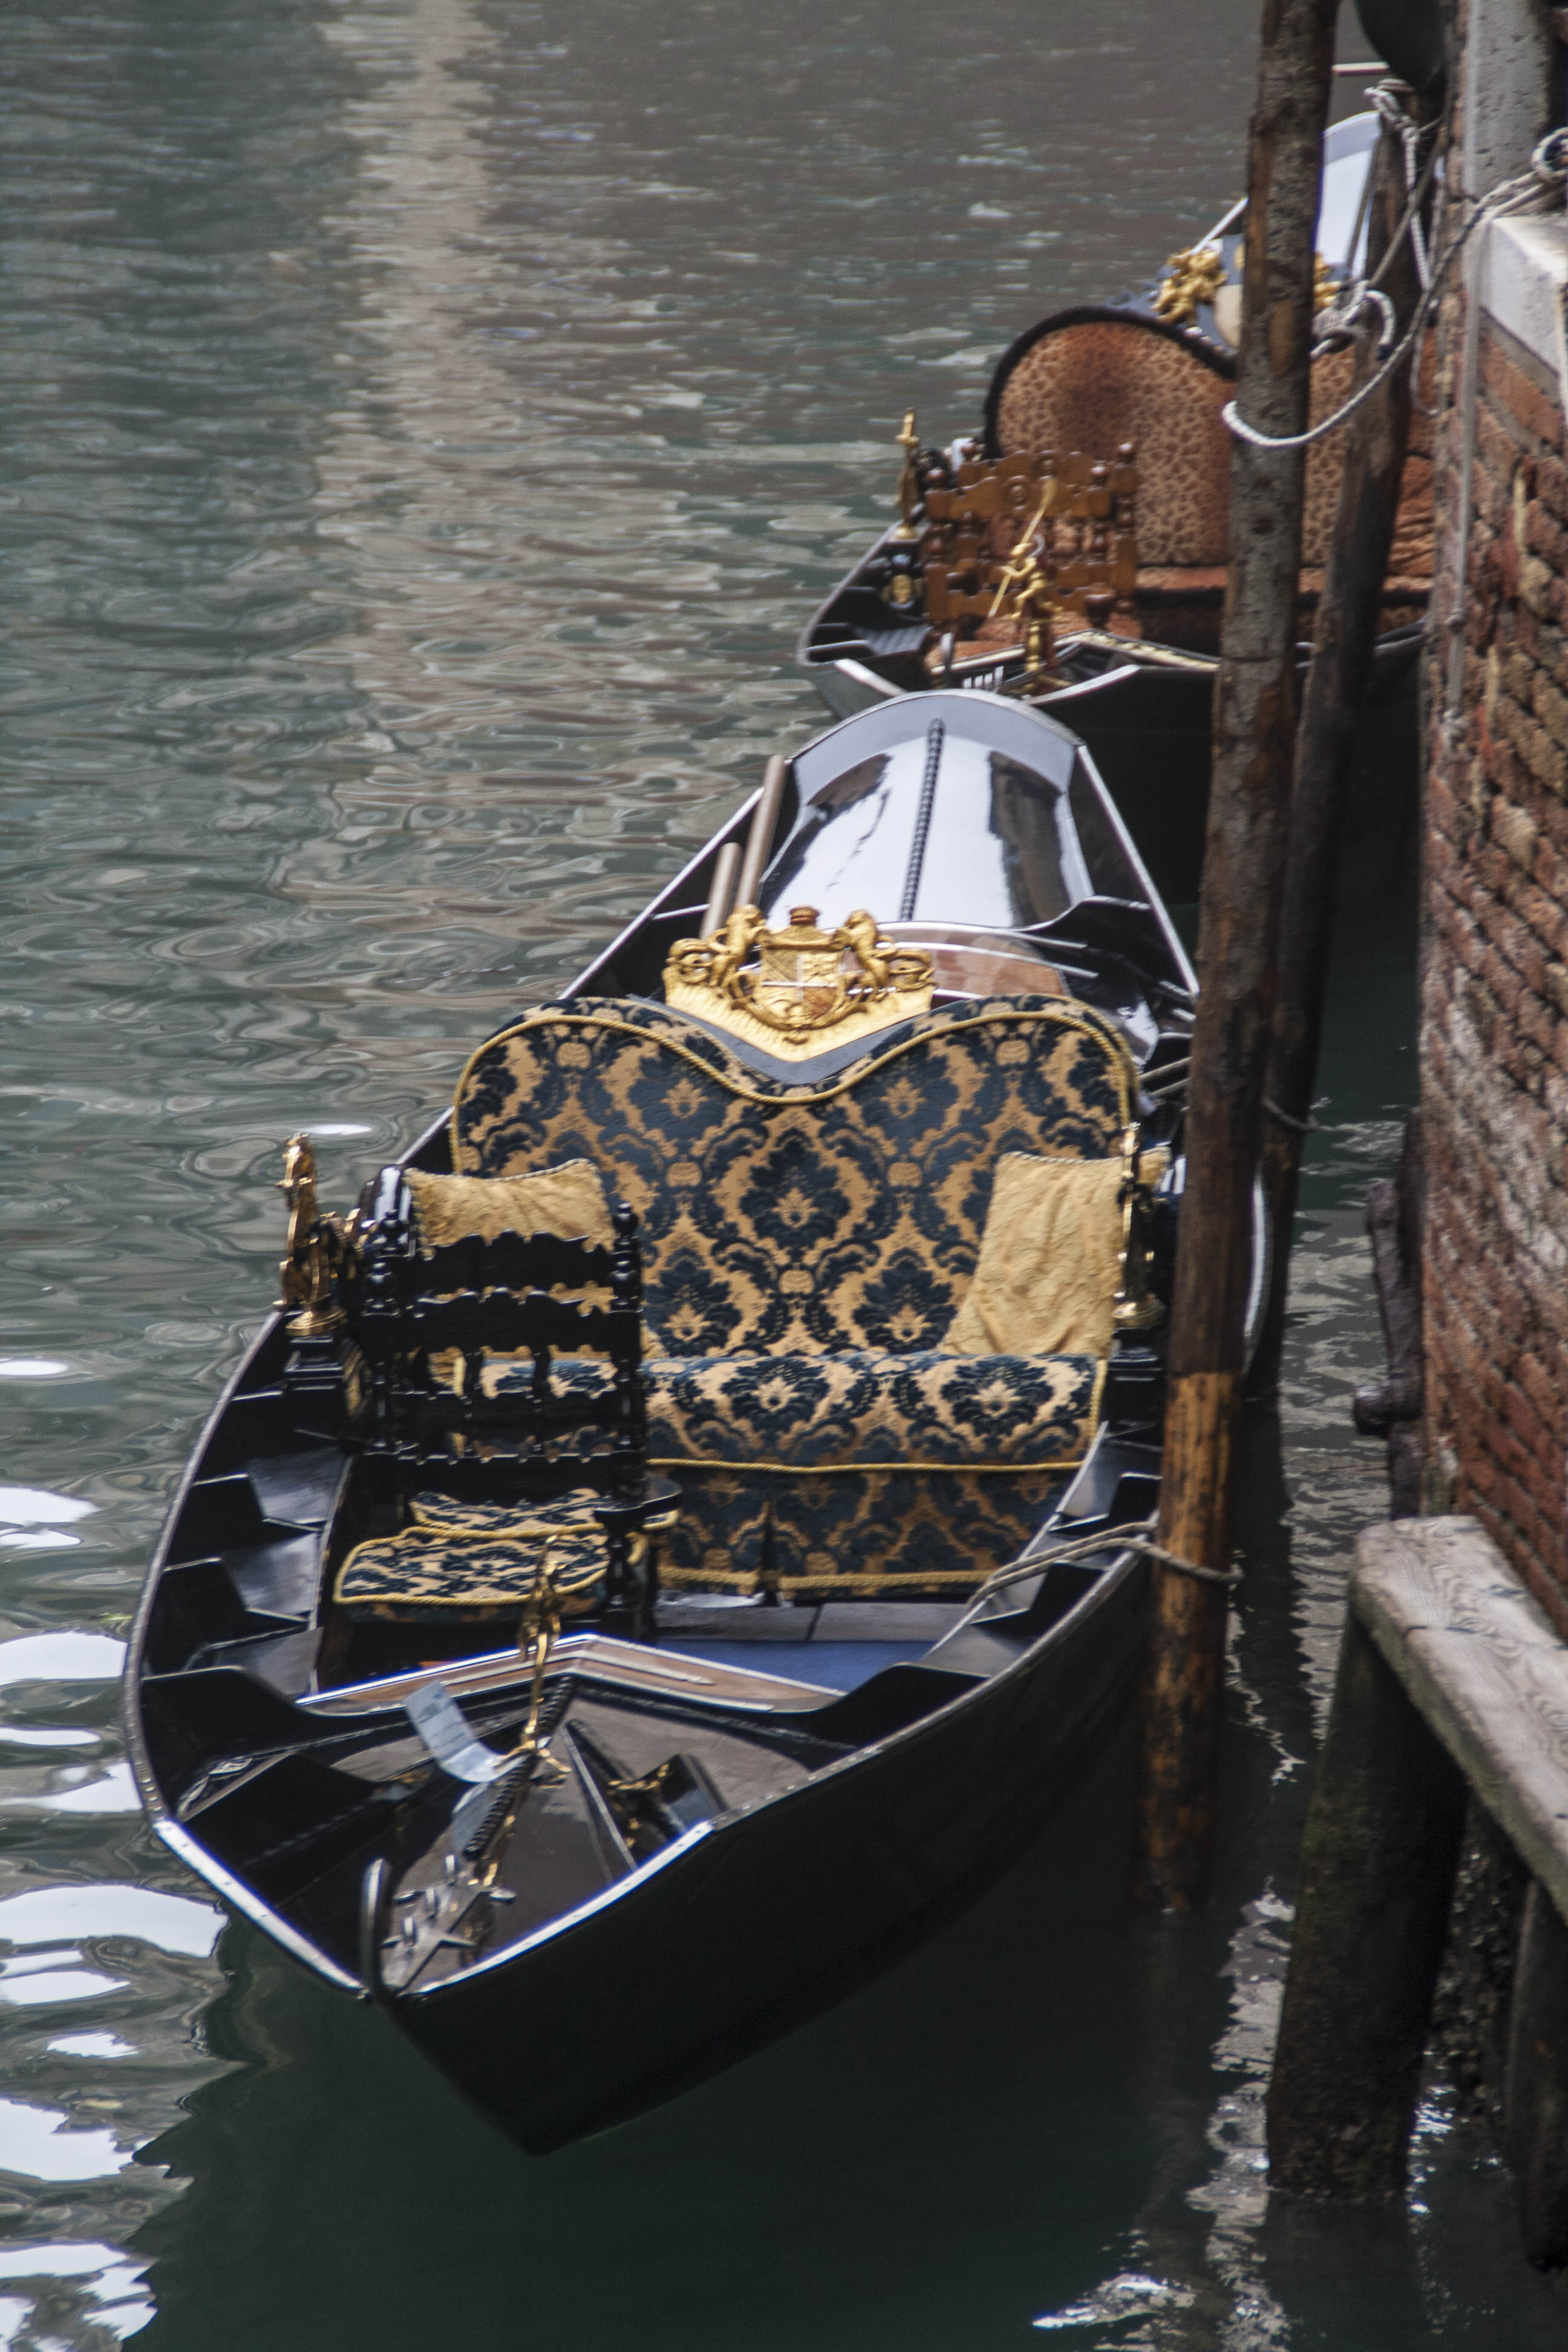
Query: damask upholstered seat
{"points": [[806, 1242]]}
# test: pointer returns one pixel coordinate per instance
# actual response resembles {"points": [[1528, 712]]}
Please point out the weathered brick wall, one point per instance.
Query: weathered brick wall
{"points": [[1495, 980]]}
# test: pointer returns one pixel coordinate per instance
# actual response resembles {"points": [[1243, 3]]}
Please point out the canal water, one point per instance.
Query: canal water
{"points": [[426, 423]]}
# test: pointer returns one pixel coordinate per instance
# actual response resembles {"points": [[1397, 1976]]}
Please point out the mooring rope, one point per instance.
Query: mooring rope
{"points": [[1134, 1535], [1548, 168], [1288, 1118]]}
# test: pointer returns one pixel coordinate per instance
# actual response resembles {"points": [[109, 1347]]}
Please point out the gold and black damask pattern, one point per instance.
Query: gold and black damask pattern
{"points": [[860, 1409], [912, 1471], [847, 1412], [879, 1531], [806, 1247], [801, 1220], [476, 1556]]}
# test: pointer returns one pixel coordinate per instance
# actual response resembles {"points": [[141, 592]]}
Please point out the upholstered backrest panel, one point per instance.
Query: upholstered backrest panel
{"points": [[1097, 381], [803, 1218]]}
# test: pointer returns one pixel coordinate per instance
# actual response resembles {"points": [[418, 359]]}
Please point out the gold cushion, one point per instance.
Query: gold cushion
{"points": [[1050, 1259], [567, 1201]]}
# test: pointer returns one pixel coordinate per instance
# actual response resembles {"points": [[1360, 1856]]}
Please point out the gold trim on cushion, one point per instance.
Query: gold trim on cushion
{"points": [[856, 1469], [1050, 1268], [467, 1555], [1071, 1014], [873, 1584], [807, 991], [567, 1202], [859, 1469]]}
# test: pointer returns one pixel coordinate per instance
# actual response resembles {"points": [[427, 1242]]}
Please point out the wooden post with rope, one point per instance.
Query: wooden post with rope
{"points": [[1348, 619], [1254, 738]]}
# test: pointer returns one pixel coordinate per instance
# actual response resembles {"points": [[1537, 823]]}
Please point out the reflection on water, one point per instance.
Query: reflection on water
{"points": [[426, 423]]}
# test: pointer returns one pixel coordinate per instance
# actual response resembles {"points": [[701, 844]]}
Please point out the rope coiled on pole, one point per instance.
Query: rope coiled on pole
{"points": [[1548, 168], [1135, 1534]]}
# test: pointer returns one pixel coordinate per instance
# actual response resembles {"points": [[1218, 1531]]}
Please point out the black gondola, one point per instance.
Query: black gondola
{"points": [[1119, 402], [737, 1763]]}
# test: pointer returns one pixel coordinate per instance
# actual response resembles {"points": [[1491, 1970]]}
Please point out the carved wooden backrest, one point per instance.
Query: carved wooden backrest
{"points": [[426, 1317], [1076, 515]]}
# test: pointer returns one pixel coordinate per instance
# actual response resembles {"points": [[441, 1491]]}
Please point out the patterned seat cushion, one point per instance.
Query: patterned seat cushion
{"points": [[477, 1556], [806, 1247], [854, 1473], [862, 1410], [855, 1410], [796, 1219]]}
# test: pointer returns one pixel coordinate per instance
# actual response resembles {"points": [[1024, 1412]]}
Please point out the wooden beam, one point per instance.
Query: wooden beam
{"points": [[1349, 611], [1481, 1660], [1378, 1860], [1254, 738], [1535, 2102], [1451, 1674]]}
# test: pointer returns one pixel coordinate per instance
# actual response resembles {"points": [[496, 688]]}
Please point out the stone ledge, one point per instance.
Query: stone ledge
{"points": [[1484, 1666], [1523, 271]]}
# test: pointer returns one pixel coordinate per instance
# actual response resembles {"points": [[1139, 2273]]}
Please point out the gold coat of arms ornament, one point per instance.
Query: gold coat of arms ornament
{"points": [[801, 990]]}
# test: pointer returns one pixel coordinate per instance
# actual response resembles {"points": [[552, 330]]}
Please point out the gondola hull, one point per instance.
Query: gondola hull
{"points": [[764, 1920], [1149, 729], [578, 1957]]}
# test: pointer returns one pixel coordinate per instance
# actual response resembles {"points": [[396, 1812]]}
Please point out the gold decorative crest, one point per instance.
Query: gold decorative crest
{"points": [[1192, 279], [799, 991]]}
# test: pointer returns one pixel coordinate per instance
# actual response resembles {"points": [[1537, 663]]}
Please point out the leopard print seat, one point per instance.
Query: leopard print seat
{"points": [[1093, 379], [806, 1247]]}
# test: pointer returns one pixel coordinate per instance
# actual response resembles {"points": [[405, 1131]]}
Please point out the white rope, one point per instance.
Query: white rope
{"points": [[1393, 110], [1548, 167], [1132, 1535]]}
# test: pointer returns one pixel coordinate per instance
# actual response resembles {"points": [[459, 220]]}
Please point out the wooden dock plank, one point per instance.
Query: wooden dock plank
{"points": [[1481, 1661]]}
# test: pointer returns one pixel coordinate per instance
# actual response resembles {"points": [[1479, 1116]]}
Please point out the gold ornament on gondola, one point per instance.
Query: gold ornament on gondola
{"points": [[1192, 280], [313, 1252], [1326, 287], [801, 989], [908, 441], [1137, 1308], [1027, 582]]}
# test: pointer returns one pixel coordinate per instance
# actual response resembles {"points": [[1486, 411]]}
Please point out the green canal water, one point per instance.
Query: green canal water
{"points": [[425, 424]]}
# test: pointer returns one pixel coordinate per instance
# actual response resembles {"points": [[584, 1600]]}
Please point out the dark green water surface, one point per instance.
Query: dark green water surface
{"points": [[424, 426]]}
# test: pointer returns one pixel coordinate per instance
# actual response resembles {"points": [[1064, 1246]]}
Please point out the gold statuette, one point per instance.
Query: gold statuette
{"points": [[1027, 582], [908, 441], [313, 1251], [799, 991]]}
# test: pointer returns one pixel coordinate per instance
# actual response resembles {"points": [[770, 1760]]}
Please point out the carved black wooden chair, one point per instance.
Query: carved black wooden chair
{"points": [[481, 1487]]}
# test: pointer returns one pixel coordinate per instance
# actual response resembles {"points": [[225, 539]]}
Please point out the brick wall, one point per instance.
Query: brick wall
{"points": [[1494, 1012]]}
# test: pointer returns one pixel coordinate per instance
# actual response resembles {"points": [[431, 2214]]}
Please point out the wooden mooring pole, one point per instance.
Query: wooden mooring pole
{"points": [[1349, 614], [1254, 738], [1453, 1686], [1377, 1879], [1536, 2107]]}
